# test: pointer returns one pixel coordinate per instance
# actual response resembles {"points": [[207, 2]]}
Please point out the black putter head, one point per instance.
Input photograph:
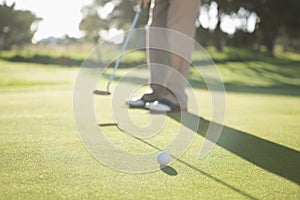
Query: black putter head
{"points": [[100, 92]]}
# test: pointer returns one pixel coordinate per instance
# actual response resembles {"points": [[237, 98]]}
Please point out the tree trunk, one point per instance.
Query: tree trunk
{"points": [[217, 39], [268, 41]]}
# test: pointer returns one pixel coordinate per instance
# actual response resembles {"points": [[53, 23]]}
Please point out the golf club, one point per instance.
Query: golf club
{"points": [[135, 20]]}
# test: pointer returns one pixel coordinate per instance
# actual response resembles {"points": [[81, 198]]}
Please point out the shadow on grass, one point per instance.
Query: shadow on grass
{"points": [[47, 60], [172, 172], [275, 158], [277, 76], [272, 76], [277, 72], [169, 170], [65, 61], [277, 88]]}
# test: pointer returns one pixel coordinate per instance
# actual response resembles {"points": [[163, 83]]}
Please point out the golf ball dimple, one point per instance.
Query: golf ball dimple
{"points": [[163, 158]]}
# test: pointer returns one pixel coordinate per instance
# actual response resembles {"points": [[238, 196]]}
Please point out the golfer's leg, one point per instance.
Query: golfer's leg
{"points": [[156, 57], [181, 17]]}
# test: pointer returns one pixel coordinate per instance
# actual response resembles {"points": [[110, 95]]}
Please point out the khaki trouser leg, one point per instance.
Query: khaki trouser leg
{"points": [[181, 17], [156, 57], [177, 15]]}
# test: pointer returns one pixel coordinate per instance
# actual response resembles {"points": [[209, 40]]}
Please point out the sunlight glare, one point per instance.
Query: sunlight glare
{"points": [[59, 17], [228, 25], [106, 10]]}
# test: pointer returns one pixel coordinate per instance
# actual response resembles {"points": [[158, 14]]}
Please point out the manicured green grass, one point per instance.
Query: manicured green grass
{"points": [[42, 157]]}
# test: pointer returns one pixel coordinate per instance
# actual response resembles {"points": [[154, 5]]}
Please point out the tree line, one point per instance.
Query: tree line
{"points": [[17, 27], [272, 20]]}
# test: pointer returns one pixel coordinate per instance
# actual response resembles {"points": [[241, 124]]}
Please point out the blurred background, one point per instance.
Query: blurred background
{"points": [[41, 27]]}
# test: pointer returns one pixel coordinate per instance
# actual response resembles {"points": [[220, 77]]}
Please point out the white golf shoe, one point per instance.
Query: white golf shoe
{"points": [[137, 102], [163, 106]]}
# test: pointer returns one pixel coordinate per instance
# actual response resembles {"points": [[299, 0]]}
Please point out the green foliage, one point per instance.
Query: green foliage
{"points": [[16, 26], [119, 18], [91, 23], [276, 18]]}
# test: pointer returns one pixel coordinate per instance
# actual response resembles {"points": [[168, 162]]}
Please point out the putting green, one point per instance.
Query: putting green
{"points": [[257, 156]]}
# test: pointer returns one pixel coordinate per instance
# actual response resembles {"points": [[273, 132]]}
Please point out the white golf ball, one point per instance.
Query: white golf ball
{"points": [[163, 158]]}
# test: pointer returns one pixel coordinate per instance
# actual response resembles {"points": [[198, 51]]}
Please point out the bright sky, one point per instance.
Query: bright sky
{"points": [[60, 17]]}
